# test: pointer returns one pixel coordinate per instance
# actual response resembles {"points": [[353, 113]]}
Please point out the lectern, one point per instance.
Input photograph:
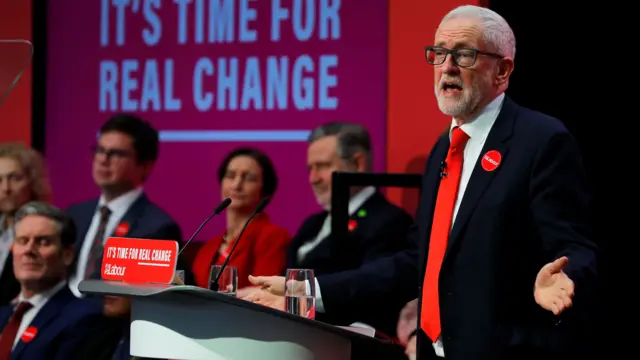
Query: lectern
{"points": [[191, 323]]}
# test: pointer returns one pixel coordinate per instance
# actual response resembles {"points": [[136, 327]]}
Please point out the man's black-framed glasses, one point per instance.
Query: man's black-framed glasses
{"points": [[109, 153], [437, 55]]}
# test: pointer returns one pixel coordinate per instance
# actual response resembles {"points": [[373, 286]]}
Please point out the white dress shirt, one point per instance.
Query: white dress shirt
{"points": [[37, 301], [478, 129], [118, 206]]}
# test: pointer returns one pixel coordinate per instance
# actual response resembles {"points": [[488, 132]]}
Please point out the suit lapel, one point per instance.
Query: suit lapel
{"points": [[47, 314], [83, 227], [131, 217], [480, 178], [309, 232], [363, 215], [5, 314], [370, 205]]}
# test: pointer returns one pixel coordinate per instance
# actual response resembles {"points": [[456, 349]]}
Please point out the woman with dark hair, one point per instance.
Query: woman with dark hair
{"points": [[246, 175]]}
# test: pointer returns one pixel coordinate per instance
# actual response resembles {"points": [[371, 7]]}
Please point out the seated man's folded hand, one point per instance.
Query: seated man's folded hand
{"points": [[410, 351], [407, 321]]}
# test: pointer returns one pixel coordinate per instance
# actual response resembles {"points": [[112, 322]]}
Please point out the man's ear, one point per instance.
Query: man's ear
{"points": [[147, 168], [505, 69], [68, 255], [359, 162]]}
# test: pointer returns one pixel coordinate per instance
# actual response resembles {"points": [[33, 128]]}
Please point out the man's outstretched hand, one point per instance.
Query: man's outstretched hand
{"points": [[272, 284], [553, 289], [276, 285], [266, 298]]}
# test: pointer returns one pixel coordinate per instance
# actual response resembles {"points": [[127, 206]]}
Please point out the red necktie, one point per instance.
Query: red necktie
{"points": [[11, 330], [94, 261], [440, 229]]}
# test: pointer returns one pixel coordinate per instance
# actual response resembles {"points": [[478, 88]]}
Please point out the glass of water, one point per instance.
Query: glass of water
{"points": [[300, 293], [227, 281]]}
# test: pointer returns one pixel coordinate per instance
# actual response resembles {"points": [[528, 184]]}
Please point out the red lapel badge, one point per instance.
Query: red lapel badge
{"points": [[352, 225], [122, 229], [29, 334], [491, 160]]}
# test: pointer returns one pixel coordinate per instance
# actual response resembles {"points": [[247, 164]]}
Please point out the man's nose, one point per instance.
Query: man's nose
{"points": [[449, 65], [314, 177], [101, 157]]}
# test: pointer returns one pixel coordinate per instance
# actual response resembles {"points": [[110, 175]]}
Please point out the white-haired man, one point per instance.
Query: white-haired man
{"points": [[502, 230]]}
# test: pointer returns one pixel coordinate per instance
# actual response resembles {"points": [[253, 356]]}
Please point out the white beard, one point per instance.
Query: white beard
{"points": [[463, 104]]}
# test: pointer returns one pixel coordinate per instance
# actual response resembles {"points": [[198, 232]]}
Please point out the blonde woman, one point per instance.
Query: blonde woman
{"points": [[23, 178]]}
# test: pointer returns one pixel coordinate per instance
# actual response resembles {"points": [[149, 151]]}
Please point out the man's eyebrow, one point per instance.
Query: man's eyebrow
{"points": [[462, 44], [457, 45]]}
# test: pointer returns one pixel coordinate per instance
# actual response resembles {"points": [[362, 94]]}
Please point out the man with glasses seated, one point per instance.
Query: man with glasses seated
{"points": [[123, 160]]}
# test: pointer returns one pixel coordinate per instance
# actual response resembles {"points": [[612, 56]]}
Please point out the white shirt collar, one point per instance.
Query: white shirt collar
{"points": [[479, 127], [38, 300], [358, 199], [123, 202]]}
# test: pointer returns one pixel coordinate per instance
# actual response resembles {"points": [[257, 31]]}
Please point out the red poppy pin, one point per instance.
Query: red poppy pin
{"points": [[29, 334], [122, 229], [352, 225]]}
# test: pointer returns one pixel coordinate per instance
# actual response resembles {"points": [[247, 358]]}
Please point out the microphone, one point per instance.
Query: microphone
{"points": [[261, 205], [223, 205], [443, 169]]}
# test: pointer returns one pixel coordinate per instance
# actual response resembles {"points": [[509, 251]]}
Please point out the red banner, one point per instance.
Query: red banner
{"points": [[139, 260]]}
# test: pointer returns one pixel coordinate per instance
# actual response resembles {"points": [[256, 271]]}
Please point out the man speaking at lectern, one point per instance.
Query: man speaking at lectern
{"points": [[502, 229]]}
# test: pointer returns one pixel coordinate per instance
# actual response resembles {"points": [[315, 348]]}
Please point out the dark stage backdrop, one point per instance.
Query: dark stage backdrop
{"points": [[557, 72]]}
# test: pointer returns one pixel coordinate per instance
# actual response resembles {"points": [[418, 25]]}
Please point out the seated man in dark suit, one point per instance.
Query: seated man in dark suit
{"points": [[377, 227], [123, 160], [46, 321], [22, 179]]}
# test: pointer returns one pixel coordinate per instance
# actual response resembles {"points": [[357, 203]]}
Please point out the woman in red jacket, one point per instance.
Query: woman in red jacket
{"points": [[246, 175]]}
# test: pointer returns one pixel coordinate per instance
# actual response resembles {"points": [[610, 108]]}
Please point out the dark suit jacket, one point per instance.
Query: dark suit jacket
{"points": [[104, 341], [380, 233], [62, 323], [531, 210], [146, 220], [9, 286]]}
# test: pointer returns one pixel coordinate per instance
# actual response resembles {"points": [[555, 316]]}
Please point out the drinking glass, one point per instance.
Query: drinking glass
{"points": [[300, 293], [228, 281]]}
